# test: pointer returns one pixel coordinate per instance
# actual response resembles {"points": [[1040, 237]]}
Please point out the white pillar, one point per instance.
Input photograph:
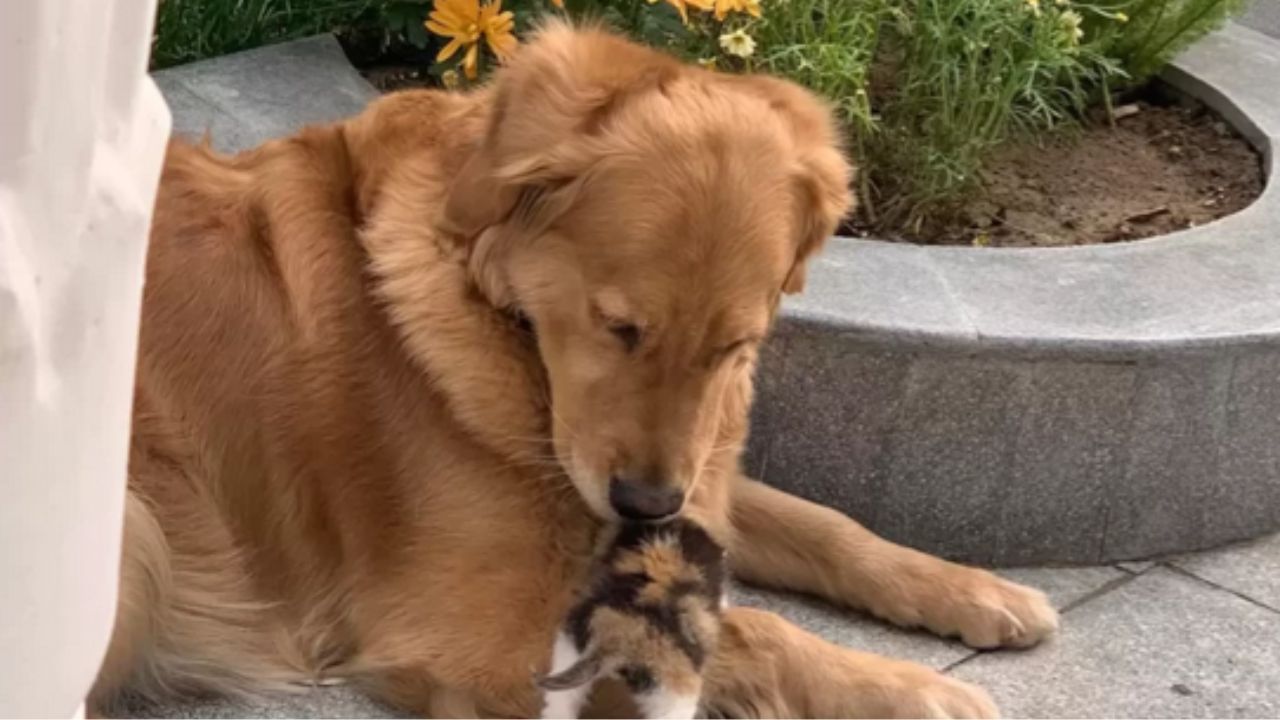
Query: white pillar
{"points": [[82, 136]]}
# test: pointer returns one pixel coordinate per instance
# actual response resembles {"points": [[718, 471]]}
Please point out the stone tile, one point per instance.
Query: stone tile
{"points": [[1162, 501], [194, 117], [946, 460], [1161, 645], [1251, 569], [275, 90], [1238, 66], [879, 289], [820, 417], [851, 629], [1137, 568], [325, 702], [1072, 421], [1263, 16], [1124, 298], [1065, 586], [1249, 456]]}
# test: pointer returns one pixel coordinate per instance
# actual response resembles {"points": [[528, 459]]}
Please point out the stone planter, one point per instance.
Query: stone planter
{"points": [[1075, 405]]}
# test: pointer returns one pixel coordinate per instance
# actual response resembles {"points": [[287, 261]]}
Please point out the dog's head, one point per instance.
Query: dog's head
{"points": [[645, 216]]}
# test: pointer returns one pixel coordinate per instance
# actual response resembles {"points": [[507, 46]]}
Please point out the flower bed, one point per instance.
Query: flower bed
{"points": [[928, 89]]}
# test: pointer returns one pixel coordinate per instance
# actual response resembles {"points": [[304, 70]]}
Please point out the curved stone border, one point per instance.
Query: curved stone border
{"points": [[1084, 404]]}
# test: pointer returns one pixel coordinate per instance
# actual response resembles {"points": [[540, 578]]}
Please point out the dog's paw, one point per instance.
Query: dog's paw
{"points": [[946, 697], [987, 611], [914, 691]]}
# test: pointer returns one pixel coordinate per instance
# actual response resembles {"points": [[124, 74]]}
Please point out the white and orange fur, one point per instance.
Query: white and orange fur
{"points": [[649, 617]]}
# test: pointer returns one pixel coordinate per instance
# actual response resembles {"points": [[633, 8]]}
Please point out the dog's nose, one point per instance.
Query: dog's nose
{"points": [[644, 501]]}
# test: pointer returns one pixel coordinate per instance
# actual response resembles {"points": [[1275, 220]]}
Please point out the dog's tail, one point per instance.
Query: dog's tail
{"points": [[188, 623]]}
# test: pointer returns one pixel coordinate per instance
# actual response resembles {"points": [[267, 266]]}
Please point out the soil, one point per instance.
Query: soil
{"points": [[1164, 166], [398, 77]]}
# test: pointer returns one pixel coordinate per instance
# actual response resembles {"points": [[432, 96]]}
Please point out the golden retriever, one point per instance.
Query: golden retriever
{"points": [[395, 372]]}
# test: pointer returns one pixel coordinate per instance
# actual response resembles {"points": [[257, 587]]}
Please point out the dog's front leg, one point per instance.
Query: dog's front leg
{"points": [[783, 541], [766, 667]]}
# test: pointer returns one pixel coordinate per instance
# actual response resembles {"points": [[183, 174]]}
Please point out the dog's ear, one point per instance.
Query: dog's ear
{"points": [[822, 174], [823, 199], [550, 106], [553, 98]]}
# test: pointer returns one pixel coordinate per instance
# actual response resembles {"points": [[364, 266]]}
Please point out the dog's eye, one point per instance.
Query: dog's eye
{"points": [[627, 333]]}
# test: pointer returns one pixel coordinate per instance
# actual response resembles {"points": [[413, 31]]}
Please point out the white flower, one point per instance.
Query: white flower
{"points": [[1070, 20], [738, 43]]}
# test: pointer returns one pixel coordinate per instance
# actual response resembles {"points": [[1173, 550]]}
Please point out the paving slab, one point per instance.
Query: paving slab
{"points": [[1251, 569], [1263, 16], [1162, 645], [249, 97], [1066, 586], [1137, 568], [1132, 638]]}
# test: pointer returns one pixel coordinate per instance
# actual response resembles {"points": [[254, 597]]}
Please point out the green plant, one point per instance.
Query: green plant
{"points": [[828, 46], [960, 78], [1157, 30], [926, 88], [189, 30]]}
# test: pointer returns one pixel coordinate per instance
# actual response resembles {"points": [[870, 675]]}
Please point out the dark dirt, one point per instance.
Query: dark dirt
{"points": [[1164, 166], [398, 77]]}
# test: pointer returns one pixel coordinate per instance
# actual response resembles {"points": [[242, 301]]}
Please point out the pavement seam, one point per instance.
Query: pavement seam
{"points": [[1187, 573], [1135, 573], [1090, 596], [1103, 589]]}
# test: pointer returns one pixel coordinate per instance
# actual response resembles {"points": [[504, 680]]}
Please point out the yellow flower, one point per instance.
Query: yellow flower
{"points": [[682, 7], [707, 63], [1034, 6], [1121, 17], [724, 7], [738, 43], [450, 80], [1070, 21], [558, 3], [464, 22]]}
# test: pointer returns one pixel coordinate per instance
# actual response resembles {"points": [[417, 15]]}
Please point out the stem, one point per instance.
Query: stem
{"points": [[864, 194], [1106, 102], [1185, 27]]}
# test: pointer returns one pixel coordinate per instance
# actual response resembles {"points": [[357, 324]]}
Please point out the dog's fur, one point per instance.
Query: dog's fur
{"points": [[348, 452], [650, 616]]}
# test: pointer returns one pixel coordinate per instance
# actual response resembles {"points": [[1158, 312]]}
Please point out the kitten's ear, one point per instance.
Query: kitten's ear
{"points": [[587, 669]]}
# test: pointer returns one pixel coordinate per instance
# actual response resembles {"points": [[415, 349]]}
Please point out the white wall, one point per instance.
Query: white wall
{"points": [[82, 134]]}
